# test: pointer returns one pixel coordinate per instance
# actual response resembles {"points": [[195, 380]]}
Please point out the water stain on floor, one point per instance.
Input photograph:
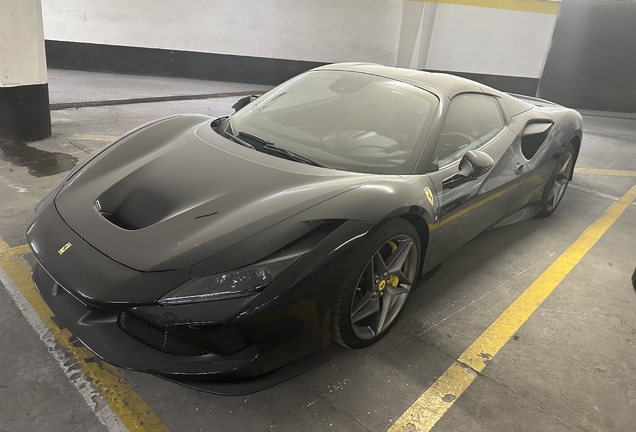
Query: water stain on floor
{"points": [[40, 163]]}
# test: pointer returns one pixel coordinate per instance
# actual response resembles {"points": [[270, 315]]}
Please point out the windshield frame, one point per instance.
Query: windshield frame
{"points": [[430, 106]]}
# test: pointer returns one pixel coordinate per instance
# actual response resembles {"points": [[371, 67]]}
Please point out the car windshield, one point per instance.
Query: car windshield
{"points": [[347, 120]]}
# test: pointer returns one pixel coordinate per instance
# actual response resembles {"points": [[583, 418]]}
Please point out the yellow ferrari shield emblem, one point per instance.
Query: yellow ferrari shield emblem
{"points": [[429, 195], [64, 248]]}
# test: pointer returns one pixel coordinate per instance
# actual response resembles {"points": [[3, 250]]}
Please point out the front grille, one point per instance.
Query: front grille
{"points": [[155, 337]]}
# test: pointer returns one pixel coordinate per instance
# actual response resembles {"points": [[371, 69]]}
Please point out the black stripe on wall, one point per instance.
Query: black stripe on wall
{"points": [[218, 67], [24, 113], [171, 63]]}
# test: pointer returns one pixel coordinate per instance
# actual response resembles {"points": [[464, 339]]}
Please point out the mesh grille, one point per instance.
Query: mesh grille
{"points": [[155, 337]]}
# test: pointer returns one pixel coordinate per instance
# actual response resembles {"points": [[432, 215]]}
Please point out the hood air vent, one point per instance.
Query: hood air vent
{"points": [[120, 221]]}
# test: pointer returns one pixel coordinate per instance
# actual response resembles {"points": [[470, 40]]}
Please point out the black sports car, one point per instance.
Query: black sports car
{"points": [[215, 251]]}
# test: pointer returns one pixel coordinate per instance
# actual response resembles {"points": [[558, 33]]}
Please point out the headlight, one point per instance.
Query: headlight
{"points": [[236, 283]]}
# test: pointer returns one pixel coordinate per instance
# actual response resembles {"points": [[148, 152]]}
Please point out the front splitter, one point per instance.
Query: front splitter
{"points": [[252, 385]]}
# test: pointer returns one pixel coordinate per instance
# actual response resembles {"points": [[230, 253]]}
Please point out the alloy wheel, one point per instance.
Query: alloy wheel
{"points": [[564, 171], [383, 287]]}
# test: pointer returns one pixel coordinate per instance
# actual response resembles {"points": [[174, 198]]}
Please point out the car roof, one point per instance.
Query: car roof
{"points": [[436, 83], [450, 85]]}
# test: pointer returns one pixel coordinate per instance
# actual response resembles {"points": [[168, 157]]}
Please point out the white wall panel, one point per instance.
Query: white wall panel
{"points": [[315, 30], [490, 41]]}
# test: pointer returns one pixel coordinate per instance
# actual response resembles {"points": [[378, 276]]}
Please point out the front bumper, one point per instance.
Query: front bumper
{"points": [[88, 292], [99, 330]]}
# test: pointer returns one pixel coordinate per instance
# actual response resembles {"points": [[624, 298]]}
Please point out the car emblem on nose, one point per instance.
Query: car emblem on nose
{"points": [[64, 248]]}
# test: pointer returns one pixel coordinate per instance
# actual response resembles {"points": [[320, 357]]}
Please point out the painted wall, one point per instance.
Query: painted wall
{"points": [[448, 36], [592, 60], [481, 39], [22, 59], [313, 30], [490, 41]]}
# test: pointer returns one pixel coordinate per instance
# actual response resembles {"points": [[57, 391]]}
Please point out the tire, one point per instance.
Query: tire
{"points": [[558, 182], [395, 247]]}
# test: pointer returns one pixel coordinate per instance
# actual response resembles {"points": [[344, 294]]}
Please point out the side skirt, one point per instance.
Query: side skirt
{"points": [[520, 215], [429, 275]]}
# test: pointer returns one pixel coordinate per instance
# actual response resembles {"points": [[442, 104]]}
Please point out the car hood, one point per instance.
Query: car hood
{"points": [[176, 193]]}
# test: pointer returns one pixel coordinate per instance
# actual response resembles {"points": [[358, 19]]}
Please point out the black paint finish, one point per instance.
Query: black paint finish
{"points": [[511, 84], [592, 58], [172, 63], [256, 205], [24, 113]]}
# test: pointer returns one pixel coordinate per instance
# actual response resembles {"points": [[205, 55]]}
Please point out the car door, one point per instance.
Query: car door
{"points": [[473, 121]]}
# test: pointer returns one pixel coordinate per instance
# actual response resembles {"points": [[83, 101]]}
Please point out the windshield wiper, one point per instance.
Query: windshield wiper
{"points": [[223, 131], [239, 141], [268, 145]]}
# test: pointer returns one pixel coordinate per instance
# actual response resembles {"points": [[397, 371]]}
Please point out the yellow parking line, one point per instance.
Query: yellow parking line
{"points": [[133, 412], [18, 250], [607, 172], [434, 402]]}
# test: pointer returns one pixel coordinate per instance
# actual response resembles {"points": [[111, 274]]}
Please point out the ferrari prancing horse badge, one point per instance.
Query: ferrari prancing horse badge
{"points": [[429, 195], [64, 248]]}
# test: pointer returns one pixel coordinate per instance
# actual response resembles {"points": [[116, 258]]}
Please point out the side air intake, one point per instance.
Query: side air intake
{"points": [[533, 136]]}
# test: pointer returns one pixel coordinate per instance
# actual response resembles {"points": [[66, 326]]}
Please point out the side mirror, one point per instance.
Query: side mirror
{"points": [[474, 164], [243, 101]]}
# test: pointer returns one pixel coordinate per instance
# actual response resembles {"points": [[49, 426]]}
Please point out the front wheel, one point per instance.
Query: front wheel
{"points": [[558, 182], [377, 285]]}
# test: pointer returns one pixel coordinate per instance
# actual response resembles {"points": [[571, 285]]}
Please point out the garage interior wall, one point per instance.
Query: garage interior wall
{"points": [[592, 60], [503, 44], [499, 42]]}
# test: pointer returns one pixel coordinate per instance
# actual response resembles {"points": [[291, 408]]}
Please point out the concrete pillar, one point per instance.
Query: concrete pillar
{"points": [[24, 92]]}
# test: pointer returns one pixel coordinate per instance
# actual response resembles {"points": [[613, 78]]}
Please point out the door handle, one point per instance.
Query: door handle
{"points": [[518, 168]]}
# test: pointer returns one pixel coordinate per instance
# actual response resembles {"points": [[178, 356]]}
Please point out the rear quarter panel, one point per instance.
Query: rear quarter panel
{"points": [[568, 126]]}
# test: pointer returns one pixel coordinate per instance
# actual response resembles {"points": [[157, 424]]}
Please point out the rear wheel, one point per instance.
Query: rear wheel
{"points": [[558, 182], [377, 286]]}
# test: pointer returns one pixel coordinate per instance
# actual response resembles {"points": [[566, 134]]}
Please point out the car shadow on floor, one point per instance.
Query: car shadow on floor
{"points": [[446, 293]]}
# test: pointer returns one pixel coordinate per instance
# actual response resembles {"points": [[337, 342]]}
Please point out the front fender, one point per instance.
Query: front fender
{"points": [[410, 197]]}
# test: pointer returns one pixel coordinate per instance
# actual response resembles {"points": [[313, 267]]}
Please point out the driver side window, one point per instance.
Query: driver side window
{"points": [[471, 121]]}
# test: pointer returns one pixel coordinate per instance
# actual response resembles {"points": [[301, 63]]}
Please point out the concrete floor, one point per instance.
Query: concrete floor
{"points": [[569, 368]]}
